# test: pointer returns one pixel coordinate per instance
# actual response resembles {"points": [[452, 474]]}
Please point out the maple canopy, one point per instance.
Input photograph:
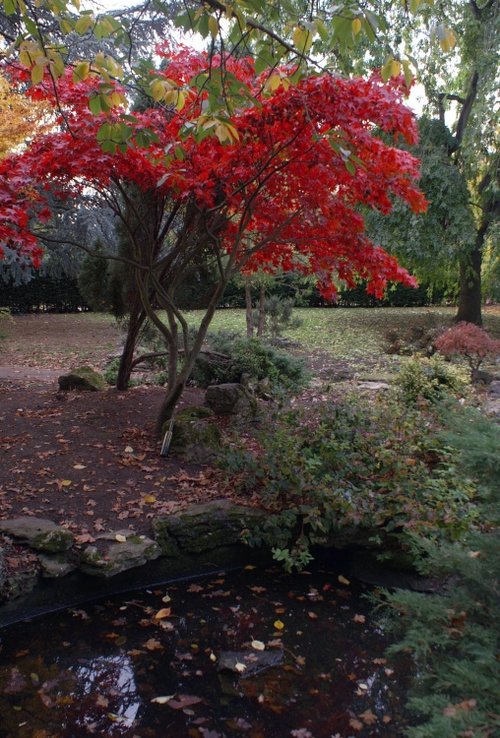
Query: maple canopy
{"points": [[288, 178]]}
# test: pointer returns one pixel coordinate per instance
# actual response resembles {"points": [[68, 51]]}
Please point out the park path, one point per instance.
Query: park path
{"points": [[29, 373]]}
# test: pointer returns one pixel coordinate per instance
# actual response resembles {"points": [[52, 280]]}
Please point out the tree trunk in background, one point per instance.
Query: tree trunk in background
{"points": [[135, 323], [469, 300], [249, 309], [262, 311]]}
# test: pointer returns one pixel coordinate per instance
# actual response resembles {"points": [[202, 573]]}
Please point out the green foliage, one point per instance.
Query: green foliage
{"points": [[430, 379], [110, 372], [453, 636], [93, 279], [249, 359], [279, 316], [376, 468]]}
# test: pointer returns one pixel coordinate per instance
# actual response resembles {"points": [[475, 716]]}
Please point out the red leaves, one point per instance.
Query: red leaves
{"points": [[287, 190]]}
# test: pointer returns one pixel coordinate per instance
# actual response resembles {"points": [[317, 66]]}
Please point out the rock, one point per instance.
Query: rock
{"points": [[254, 661], [195, 411], [195, 438], [55, 566], [494, 389], [205, 527], [374, 386], [110, 556], [84, 379], [229, 399], [38, 533]]}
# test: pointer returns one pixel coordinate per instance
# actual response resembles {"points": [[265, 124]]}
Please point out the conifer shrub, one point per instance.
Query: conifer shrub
{"points": [[453, 635], [430, 379], [470, 342]]}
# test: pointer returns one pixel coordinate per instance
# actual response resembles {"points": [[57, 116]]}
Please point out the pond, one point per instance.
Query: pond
{"points": [[250, 654]]}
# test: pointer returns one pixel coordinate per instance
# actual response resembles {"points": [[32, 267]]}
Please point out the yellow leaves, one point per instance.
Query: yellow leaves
{"points": [[213, 26], [84, 23], [356, 26], [302, 39], [448, 41], [165, 612], [221, 127], [166, 90], [279, 624], [149, 500], [392, 68], [81, 71], [120, 538]]}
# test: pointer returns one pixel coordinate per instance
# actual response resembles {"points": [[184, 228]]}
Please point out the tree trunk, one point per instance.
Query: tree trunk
{"points": [[249, 309], [135, 323], [262, 311], [469, 301]]}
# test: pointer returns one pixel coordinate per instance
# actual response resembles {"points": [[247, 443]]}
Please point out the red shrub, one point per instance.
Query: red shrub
{"points": [[470, 341]]}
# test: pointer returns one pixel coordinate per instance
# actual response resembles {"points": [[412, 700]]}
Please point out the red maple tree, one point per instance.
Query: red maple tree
{"points": [[281, 184]]}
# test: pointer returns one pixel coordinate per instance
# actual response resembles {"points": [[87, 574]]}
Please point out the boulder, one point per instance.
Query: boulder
{"points": [[84, 378], [38, 533], [195, 411], [54, 566], [229, 399], [195, 438], [494, 389], [206, 527], [116, 552]]}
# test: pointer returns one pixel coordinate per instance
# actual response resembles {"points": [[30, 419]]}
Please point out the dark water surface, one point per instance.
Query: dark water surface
{"points": [[148, 664]]}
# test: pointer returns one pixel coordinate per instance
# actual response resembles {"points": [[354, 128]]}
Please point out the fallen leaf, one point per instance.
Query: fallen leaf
{"points": [[79, 466], [279, 624], [240, 667], [359, 618], [356, 724], [163, 700], [343, 580], [153, 645], [183, 701], [258, 645], [149, 499], [163, 613], [312, 615], [368, 717], [120, 538]]}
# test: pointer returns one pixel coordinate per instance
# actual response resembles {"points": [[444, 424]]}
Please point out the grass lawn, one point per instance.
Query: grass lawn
{"points": [[351, 335]]}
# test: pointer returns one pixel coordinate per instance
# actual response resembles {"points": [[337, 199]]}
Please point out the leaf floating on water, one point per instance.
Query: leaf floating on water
{"points": [[368, 717], [356, 724], [194, 588], [153, 645], [279, 624], [343, 580], [240, 667], [163, 700], [258, 645], [213, 657], [163, 613], [359, 618], [312, 615], [166, 599], [183, 701]]}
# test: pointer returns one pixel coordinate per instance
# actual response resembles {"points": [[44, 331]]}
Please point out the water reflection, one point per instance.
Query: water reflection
{"points": [[152, 666]]}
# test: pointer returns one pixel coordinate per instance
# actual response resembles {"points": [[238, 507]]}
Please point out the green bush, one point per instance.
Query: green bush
{"points": [[453, 636], [430, 379], [374, 467], [238, 358]]}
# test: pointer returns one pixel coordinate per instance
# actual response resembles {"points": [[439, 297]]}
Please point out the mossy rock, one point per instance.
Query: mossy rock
{"points": [[194, 411], [84, 378], [39, 534], [110, 556], [194, 438], [206, 527]]}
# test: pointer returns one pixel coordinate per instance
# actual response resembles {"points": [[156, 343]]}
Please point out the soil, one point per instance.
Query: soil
{"points": [[88, 460]]}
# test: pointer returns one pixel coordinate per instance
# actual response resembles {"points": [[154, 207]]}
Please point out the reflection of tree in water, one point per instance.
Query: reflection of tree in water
{"points": [[105, 686]]}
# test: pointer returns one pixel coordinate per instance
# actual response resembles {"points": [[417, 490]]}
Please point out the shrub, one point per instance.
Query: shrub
{"points": [[374, 467], [469, 341], [418, 337], [453, 635], [429, 379], [239, 358]]}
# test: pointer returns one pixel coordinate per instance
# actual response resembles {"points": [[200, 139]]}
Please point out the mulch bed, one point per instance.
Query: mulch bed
{"points": [[90, 460]]}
